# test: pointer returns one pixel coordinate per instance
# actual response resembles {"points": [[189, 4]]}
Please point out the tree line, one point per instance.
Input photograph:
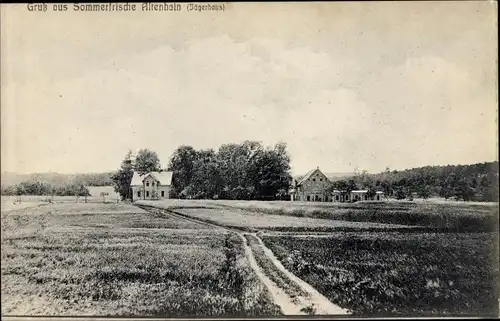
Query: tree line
{"points": [[58, 179], [241, 171], [33, 187], [476, 182]]}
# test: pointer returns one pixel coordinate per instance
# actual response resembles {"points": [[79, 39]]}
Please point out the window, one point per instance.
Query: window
{"points": [[336, 197], [162, 193], [138, 193], [152, 183], [347, 197], [320, 179], [147, 193], [147, 183], [314, 179], [308, 198], [378, 197]]}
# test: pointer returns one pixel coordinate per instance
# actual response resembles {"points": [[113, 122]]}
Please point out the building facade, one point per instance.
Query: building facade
{"points": [[313, 187], [151, 186], [355, 196]]}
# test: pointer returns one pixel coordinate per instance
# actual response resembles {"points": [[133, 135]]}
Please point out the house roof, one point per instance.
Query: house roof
{"points": [[165, 178], [332, 177], [308, 175]]}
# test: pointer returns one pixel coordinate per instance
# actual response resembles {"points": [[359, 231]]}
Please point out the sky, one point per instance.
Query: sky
{"points": [[347, 85]]}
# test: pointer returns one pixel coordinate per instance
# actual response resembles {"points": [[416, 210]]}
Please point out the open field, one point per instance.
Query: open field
{"points": [[9, 203], [95, 191], [374, 272], [254, 221], [392, 273], [69, 258], [115, 259], [452, 216]]}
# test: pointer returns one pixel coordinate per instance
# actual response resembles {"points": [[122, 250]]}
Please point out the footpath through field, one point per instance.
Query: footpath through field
{"points": [[290, 293]]}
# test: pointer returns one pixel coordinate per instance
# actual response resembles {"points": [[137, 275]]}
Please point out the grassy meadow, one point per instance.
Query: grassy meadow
{"points": [[398, 274], [95, 258], [115, 259], [440, 216], [254, 221], [448, 268]]}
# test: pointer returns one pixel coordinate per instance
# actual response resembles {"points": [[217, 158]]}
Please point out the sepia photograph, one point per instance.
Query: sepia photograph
{"points": [[255, 160]]}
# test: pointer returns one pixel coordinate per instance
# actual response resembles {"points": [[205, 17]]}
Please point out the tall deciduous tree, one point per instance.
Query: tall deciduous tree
{"points": [[123, 177], [181, 164], [463, 190], [424, 192], [146, 161]]}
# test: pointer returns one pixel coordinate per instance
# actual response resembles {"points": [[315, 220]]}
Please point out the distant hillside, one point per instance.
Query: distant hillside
{"points": [[57, 179], [469, 182]]}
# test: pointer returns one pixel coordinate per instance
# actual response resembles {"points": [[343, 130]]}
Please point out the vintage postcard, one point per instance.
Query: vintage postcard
{"points": [[271, 160]]}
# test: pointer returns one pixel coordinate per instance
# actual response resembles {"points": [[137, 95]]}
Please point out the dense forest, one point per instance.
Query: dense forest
{"points": [[477, 182]]}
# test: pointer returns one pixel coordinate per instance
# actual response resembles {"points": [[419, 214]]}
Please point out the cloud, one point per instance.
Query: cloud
{"points": [[434, 112], [217, 90]]}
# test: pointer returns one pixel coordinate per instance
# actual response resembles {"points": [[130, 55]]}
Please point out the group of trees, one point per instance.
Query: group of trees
{"points": [[145, 161], [477, 182], [34, 187], [235, 171], [55, 184]]}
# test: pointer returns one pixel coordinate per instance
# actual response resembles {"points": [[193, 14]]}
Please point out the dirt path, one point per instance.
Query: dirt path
{"points": [[305, 300], [279, 296]]}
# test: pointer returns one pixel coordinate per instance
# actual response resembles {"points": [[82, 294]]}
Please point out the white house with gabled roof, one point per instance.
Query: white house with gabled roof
{"points": [[151, 186]]}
